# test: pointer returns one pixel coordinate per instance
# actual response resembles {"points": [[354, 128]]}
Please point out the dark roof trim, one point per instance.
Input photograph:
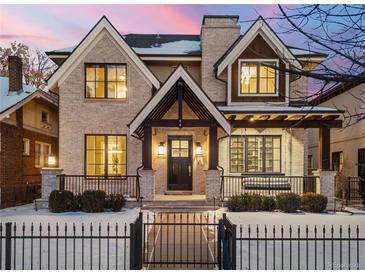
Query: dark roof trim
{"points": [[312, 54], [220, 16], [282, 112]]}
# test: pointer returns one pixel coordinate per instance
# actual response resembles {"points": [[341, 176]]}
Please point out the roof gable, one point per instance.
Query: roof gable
{"points": [[179, 73], [89, 39], [260, 27]]}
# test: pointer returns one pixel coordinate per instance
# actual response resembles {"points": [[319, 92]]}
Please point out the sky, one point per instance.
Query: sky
{"points": [[49, 27]]}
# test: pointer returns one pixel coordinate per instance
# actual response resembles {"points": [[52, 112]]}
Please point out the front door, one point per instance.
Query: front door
{"points": [[180, 170]]}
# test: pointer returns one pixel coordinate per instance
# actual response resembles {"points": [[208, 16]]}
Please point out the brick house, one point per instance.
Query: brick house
{"points": [[184, 108], [28, 135]]}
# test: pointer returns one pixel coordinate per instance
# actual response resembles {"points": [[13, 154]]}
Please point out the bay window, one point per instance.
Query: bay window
{"points": [[108, 81], [255, 154], [257, 78], [106, 155]]}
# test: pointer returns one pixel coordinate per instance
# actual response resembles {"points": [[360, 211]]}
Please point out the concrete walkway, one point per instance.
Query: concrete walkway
{"points": [[180, 241]]}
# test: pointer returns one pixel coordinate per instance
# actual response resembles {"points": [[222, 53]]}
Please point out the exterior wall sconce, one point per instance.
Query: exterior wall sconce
{"points": [[161, 151], [198, 150], [51, 161]]}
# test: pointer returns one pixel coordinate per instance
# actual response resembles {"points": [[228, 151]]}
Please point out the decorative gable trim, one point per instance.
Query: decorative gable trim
{"points": [[179, 73], [104, 24], [262, 28]]}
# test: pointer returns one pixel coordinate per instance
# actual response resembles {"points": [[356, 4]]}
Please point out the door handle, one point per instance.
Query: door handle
{"points": [[189, 170]]}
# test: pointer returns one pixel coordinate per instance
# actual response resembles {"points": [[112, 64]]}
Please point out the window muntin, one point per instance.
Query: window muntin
{"points": [[179, 148], [107, 81], [106, 155], [255, 154], [42, 152], [256, 78]]}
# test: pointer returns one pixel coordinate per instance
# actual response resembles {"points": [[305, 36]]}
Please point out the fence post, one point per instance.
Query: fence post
{"points": [[132, 247], [62, 182], [349, 188], [8, 246], [234, 247], [136, 245]]}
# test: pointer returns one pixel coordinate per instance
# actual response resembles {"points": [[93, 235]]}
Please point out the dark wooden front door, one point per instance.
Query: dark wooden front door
{"points": [[180, 169]]}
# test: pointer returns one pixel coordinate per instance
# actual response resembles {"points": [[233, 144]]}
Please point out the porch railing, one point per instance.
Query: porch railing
{"points": [[127, 185], [269, 185]]}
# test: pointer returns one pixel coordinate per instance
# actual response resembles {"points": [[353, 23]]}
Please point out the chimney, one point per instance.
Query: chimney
{"points": [[15, 75]]}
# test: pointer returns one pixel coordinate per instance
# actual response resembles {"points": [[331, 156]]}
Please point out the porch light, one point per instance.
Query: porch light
{"points": [[51, 160], [161, 149], [252, 119], [198, 150]]}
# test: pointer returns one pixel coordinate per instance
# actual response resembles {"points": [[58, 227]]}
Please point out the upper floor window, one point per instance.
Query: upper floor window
{"points": [[257, 78], [106, 81], [45, 117]]}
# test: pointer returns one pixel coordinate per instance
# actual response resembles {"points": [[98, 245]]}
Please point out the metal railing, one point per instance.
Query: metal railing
{"points": [[266, 185], [292, 247], [70, 246], [127, 185]]}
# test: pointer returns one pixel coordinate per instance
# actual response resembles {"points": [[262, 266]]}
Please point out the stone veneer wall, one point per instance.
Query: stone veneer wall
{"points": [[80, 116]]}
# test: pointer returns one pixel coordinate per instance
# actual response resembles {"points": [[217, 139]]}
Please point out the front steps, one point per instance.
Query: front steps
{"points": [[181, 206]]}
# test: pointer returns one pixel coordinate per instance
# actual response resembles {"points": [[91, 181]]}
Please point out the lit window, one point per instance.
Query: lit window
{"points": [[257, 78], [255, 154], [106, 81], [42, 151], [106, 155]]}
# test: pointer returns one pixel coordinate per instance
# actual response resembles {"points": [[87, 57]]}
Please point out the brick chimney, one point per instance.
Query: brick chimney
{"points": [[218, 32], [15, 75]]}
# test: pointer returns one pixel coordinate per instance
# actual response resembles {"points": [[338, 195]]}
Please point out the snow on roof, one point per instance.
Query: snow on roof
{"points": [[276, 109], [68, 49], [7, 101], [305, 52], [181, 47]]}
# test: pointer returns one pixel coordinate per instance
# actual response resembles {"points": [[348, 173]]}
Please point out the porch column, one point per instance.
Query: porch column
{"points": [[213, 147], [324, 148], [147, 148]]}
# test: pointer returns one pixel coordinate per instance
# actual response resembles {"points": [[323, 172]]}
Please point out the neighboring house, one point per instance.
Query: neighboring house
{"points": [[347, 143], [28, 135], [183, 105]]}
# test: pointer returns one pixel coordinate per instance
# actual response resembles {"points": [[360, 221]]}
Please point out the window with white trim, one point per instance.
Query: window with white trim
{"points": [[42, 151], [257, 78], [26, 146]]}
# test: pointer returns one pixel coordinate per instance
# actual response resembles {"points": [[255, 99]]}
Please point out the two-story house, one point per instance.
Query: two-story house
{"points": [[186, 107], [28, 136]]}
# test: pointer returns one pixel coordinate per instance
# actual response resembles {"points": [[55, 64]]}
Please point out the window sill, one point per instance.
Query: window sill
{"points": [[104, 100], [258, 94]]}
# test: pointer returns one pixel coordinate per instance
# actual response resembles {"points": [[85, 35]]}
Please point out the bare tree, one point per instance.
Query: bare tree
{"points": [[36, 66]]}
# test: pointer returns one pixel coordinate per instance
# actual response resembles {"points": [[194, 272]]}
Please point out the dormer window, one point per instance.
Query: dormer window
{"points": [[106, 81], [257, 78]]}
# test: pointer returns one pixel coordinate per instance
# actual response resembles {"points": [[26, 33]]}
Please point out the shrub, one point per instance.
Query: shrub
{"points": [[77, 203], [268, 203], [93, 201], [61, 201], [244, 202], [313, 202], [288, 202], [114, 202]]}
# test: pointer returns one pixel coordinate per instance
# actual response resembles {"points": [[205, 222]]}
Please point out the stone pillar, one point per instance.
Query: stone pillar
{"points": [[326, 185], [147, 184], [212, 184], [49, 180]]}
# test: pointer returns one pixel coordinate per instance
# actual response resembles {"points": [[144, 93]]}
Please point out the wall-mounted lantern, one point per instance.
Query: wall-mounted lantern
{"points": [[198, 150], [51, 161], [161, 151]]}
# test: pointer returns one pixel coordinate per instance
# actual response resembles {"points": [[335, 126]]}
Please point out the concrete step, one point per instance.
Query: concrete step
{"points": [[195, 205]]}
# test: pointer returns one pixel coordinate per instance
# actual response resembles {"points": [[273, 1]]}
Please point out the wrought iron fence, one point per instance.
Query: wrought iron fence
{"points": [[266, 185], [69, 246], [127, 185], [348, 189], [308, 247]]}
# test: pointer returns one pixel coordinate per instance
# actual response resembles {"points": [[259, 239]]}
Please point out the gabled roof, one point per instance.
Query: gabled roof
{"points": [[103, 23], [179, 73], [258, 27], [10, 103]]}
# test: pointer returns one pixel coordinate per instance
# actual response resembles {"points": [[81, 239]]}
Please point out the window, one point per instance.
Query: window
{"points": [[255, 154], [26, 147], [361, 162], [256, 78], [106, 81], [42, 151], [106, 155], [337, 161], [44, 117]]}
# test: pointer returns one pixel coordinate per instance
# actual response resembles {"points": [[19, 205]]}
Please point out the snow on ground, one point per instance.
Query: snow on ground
{"points": [[297, 250], [70, 253]]}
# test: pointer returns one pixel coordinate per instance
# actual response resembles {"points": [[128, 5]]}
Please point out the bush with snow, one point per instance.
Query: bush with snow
{"points": [[268, 203], [61, 201], [312, 202], [93, 200], [288, 202], [244, 202]]}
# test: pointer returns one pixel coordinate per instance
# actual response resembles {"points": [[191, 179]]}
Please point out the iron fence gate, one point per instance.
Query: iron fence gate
{"points": [[180, 241]]}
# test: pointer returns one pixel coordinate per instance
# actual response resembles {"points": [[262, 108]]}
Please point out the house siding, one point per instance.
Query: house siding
{"points": [[80, 116]]}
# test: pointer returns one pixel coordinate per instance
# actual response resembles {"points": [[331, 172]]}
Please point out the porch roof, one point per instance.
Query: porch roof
{"points": [[167, 95]]}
